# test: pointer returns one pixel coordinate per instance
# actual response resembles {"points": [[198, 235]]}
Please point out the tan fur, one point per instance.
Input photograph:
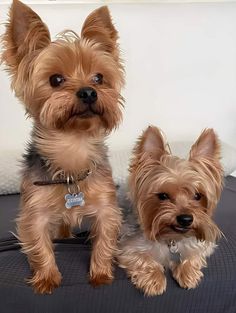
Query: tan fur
{"points": [[68, 142], [145, 273], [60, 146], [154, 171], [188, 274]]}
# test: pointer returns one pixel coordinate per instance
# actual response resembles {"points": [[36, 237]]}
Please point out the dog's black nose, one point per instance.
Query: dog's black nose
{"points": [[184, 220], [87, 95]]}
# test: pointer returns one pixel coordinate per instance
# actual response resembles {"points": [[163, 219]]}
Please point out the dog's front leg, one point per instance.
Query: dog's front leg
{"points": [[104, 233], [34, 234], [145, 273], [188, 273]]}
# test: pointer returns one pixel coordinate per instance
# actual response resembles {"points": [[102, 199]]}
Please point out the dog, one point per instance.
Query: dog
{"points": [[173, 200], [70, 89]]}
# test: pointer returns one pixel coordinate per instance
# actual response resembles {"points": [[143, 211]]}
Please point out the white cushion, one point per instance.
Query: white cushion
{"points": [[10, 165]]}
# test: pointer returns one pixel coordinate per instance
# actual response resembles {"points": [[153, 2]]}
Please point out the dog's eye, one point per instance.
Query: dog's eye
{"points": [[97, 79], [197, 196], [56, 80], [163, 196]]}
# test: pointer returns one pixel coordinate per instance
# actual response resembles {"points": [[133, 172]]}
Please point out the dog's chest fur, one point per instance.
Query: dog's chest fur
{"points": [[166, 252], [49, 152], [185, 248], [53, 152], [71, 152]]}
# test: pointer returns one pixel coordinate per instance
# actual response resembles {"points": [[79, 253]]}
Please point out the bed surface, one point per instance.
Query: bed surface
{"points": [[215, 294]]}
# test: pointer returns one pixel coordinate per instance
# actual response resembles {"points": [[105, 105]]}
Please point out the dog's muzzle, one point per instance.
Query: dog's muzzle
{"points": [[184, 221]]}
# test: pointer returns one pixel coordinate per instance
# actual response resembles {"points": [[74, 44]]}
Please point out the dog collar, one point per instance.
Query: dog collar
{"points": [[74, 197], [65, 179], [61, 177]]}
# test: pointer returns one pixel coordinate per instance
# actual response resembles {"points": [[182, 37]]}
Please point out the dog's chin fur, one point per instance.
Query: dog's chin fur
{"points": [[68, 135], [191, 187]]}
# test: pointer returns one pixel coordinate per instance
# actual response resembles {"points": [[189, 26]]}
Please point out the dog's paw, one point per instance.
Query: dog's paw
{"points": [[100, 275], [187, 276], [100, 279], [151, 282], [44, 282]]}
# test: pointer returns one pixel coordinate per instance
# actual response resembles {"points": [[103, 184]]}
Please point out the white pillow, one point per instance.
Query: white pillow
{"points": [[10, 164]]}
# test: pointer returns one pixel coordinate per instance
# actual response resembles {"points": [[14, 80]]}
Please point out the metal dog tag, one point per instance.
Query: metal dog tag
{"points": [[173, 247], [174, 251], [74, 199]]}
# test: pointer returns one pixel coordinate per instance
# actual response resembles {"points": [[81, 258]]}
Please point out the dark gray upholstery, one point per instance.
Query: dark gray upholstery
{"points": [[215, 294]]}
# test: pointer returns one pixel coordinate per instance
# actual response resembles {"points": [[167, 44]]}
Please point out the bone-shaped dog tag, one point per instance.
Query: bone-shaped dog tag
{"points": [[74, 199]]}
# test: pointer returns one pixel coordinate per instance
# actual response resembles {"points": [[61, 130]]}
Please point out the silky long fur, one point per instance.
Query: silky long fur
{"points": [[63, 141], [193, 187]]}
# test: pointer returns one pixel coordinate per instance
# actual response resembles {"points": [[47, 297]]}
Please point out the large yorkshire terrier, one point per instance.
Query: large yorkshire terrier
{"points": [[71, 89], [174, 200]]}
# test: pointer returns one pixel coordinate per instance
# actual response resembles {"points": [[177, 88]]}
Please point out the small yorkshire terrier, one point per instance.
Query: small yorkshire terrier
{"points": [[71, 89], [174, 200]]}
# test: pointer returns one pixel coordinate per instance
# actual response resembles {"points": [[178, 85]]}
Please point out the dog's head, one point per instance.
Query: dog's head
{"points": [[176, 197], [73, 82]]}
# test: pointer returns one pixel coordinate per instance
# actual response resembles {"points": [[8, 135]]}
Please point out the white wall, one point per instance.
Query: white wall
{"points": [[180, 62]]}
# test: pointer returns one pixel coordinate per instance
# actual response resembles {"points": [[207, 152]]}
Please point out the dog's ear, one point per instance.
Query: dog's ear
{"points": [[207, 146], [151, 142], [98, 27], [25, 33]]}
